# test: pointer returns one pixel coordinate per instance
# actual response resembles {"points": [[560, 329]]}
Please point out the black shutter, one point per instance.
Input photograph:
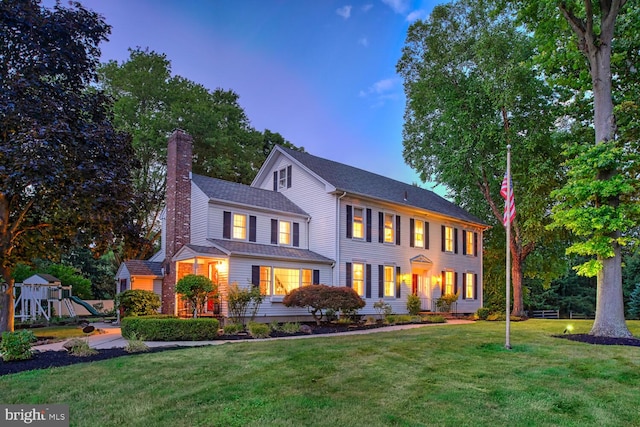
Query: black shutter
{"points": [[381, 281], [367, 285], [475, 244], [275, 181], [464, 285], [348, 276], [316, 277], [397, 229], [398, 282], [381, 227], [255, 275], [464, 242], [349, 221], [274, 231], [226, 225], [443, 240], [475, 286], [289, 176], [412, 230], [296, 234], [426, 235], [252, 228], [442, 284], [368, 225], [455, 282], [455, 240]]}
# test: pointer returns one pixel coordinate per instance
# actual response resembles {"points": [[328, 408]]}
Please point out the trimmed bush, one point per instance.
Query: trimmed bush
{"points": [[317, 298], [232, 328], [136, 302], [258, 330], [79, 347], [434, 318], [16, 345], [413, 304], [483, 313], [170, 329], [290, 327]]}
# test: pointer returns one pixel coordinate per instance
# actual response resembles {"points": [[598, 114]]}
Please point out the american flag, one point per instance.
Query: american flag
{"points": [[509, 205]]}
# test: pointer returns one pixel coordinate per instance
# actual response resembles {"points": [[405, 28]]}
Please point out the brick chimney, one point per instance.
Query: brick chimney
{"points": [[178, 215]]}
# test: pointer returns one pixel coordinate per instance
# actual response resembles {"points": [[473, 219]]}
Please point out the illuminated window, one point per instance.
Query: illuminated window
{"points": [[418, 234], [307, 276], [358, 223], [448, 239], [449, 286], [285, 280], [282, 178], [265, 280], [285, 233], [388, 228], [358, 278], [239, 226], [468, 286], [389, 281], [469, 243]]}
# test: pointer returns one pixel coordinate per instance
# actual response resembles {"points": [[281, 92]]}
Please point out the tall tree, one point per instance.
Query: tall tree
{"points": [[64, 170], [149, 104], [470, 91], [600, 200]]}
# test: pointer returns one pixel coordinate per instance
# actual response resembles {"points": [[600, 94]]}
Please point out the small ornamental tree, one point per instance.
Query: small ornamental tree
{"points": [[195, 289], [136, 302], [240, 300], [317, 298]]}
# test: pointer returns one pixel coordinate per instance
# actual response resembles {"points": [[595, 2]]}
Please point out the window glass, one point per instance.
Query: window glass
{"points": [[285, 233], [469, 235], [285, 280], [468, 286], [448, 282], [388, 228], [448, 239], [358, 223], [418, 234], [265, 280], [389, 281], [358, 278], [282, 178], [306, 277], [239, 226]]}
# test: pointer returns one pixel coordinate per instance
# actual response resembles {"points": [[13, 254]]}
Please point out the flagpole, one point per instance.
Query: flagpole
{"points": [[507, 344]]}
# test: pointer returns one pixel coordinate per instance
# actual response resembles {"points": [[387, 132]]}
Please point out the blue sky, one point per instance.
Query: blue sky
{"points": [[319, 72]]}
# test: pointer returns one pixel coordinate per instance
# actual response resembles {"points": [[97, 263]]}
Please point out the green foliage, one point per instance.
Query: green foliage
{"points": [[196, 289], [483, 313], [232, 328], [137, 302], [240, 300], [414, 304], [135, 344], [16, 345], [80, 347], [634, 303], [434, 318], [585, 205], [318, 298], [170, 329], [67, 171], [258, 330], [290, 327], [398, 319], [382, 308], [445, 301]]}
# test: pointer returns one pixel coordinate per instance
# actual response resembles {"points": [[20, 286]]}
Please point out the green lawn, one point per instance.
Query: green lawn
{"points": [[59, 333], [438, 375]]}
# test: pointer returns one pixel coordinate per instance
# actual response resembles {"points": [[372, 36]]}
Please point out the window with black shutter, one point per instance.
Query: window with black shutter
{"points": [[226, 225], [349, 221], [296, 234], [368, 281], [349, 278], [252, 228], [274, 231]]}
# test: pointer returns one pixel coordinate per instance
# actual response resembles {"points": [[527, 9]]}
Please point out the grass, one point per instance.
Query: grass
{"points": [[438, 375], [58, 333]]}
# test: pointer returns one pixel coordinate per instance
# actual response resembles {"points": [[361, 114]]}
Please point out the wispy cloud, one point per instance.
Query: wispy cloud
{"points": [[363, 41], [415, 15], [382, 91], [367, 7], [344, 11], [398, 6]]}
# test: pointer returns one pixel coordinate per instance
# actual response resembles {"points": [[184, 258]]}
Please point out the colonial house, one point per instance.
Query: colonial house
{"points": [[306, 220]]}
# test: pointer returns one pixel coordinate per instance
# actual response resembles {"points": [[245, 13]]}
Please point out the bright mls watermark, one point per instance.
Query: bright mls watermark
{"points": [[36, 415]]}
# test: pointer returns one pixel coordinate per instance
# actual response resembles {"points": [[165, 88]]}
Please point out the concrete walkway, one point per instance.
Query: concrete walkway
{"points": [[111, 337]]}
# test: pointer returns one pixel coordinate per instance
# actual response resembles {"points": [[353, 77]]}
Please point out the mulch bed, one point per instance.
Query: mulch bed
{"points": [[590, 339]]}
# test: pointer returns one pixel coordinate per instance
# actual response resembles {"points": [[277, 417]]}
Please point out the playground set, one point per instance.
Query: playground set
{"points": [[43, 294]]}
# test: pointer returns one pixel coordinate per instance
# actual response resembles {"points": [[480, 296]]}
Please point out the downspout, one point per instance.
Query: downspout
{"points": [[336, 272]]}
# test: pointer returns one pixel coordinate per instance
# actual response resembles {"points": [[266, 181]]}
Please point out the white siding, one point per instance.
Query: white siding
{"points": [[199, 210]]}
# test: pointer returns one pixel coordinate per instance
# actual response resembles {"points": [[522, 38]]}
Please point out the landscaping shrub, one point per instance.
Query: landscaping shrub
{"points": [[398, 319], [170, 329], [240, 300], [258, 330], [483, 313], [79, 347], [317, 298], [16, 345], [434, 318], [196, 289], [232, 328], [290, 327], [136, 302], [445, 302], [135, 344], [413, 304], [382, 308]]}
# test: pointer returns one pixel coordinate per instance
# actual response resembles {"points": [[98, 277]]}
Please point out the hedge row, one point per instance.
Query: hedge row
{"points": [[169, 329]]}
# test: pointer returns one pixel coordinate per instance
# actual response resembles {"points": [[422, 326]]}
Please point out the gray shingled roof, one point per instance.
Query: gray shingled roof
{"points": [[269, 251], [358, 181], [246, 195], [138, 267], [209, 250]]}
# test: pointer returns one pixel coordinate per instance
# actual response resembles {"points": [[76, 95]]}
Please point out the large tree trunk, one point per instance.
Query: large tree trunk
{"points": [[6, 302], [516, 278]]}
